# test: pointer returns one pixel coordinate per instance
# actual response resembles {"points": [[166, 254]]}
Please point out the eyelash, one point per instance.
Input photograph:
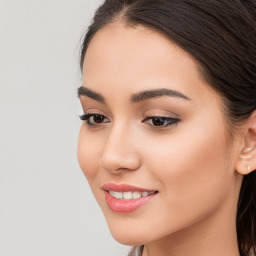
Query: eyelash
{"points": [[167, 121], [88, 122]]}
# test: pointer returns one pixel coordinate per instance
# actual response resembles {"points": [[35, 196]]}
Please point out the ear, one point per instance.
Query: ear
{"points": [[246, 161]]}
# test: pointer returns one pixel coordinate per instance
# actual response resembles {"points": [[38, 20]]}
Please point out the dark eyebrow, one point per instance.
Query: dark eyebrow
{"points": [[145, 95], [83, 91]]}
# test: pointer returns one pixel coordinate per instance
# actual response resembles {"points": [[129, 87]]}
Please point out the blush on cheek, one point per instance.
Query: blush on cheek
{"points": [[189, 166]]}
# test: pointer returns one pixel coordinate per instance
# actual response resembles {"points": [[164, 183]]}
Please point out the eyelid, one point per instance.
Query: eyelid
{"points": [[160, 118], [95, 111], [161, 113]]}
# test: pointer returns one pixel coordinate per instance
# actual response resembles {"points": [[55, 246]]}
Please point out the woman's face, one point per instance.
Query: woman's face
{"points": [[153, 125]]}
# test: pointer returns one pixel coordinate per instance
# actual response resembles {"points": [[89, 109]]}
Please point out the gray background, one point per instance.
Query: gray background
{"points": [[46, 206]]}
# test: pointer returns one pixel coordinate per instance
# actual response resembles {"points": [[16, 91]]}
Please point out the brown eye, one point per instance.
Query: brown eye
{"points": [[94, 119], [158, 121], [161, 121], [98, 119]]}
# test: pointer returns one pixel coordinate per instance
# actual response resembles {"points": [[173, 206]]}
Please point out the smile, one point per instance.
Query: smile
{"points": [[126, 198]]}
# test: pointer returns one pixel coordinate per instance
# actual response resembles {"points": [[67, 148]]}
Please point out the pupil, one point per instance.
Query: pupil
{"points": [[98, 119], [158, 121]]}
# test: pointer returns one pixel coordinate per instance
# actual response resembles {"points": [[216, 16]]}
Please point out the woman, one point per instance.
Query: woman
{"points": [[168, 142]]}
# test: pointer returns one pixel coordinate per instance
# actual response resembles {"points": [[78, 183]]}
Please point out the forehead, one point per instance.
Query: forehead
{"points": [[120, 57], [129, 47]]}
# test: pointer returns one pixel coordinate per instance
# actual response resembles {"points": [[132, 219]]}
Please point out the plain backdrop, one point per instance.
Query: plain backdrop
{"points": [[46, 206]]}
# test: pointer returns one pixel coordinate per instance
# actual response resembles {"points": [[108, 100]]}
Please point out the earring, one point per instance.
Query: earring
{"points": [[249, 168]]}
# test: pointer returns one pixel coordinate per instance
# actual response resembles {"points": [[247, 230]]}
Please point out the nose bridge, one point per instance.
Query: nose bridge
{"points": [[119, 152]]}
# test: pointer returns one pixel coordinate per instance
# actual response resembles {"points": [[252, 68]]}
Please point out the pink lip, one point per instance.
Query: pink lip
{"points": [[125, 206]]}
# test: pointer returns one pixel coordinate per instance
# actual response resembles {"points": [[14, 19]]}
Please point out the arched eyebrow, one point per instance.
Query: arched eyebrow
{"points": [[137, 97], [83, 91], [149, 94]]}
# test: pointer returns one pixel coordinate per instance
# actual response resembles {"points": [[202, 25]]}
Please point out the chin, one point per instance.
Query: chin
{"points": [[132, 239], [131, 235]]}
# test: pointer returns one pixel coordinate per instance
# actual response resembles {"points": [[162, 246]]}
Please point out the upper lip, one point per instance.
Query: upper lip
{"points": [[124, 188]]}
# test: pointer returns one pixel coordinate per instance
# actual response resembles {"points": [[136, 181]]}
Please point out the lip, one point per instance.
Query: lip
{"points": [[125, 206]]}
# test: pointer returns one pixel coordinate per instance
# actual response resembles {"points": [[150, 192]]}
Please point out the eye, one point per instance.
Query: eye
{"points": [[161, 121], [94, 119]]}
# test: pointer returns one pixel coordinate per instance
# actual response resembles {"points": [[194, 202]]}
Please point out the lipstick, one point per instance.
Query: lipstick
{"points": [[125, 198]]}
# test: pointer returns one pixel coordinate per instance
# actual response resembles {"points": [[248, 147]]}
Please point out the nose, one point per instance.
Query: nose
{"points": [[119, 152]]}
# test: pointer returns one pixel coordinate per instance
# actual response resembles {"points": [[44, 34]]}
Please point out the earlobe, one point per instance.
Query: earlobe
{"points": [[246, 162]]}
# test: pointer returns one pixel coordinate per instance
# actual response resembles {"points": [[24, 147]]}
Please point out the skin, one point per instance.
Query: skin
{"points": [[192, 164]]}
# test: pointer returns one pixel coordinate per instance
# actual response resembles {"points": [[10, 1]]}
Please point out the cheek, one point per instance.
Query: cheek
{"points": [[87, 151], [191, 169]]}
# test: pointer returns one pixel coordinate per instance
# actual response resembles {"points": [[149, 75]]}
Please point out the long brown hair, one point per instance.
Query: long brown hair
{"points": [[221, 36]]}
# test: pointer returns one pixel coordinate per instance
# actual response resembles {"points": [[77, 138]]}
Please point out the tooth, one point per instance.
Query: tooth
{"points": [[118, 195], [144, 194], [127, 195], [115, 194], [136, 195], [111, 192]]}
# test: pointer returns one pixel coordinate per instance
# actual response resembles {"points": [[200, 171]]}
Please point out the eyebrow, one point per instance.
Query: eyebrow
{"points": [[135, 98], [83, 91], [149, 94]]}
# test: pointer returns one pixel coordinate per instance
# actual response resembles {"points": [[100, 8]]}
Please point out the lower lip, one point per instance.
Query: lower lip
{"points": [[126, 206]]}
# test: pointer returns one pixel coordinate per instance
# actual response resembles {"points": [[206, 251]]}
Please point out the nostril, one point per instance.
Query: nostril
{"points": [[117, 162], [119, 153]]}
